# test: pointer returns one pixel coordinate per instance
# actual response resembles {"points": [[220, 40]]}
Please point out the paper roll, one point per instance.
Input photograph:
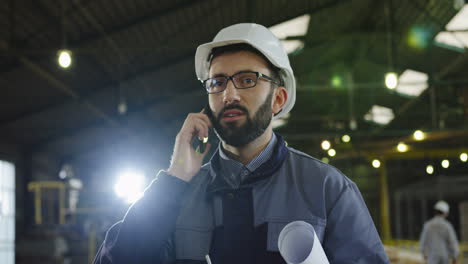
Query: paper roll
{"points": [[298, 244]]}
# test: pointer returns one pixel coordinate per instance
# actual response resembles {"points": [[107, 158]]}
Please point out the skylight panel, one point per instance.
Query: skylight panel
{"points": [[460, 20], [456, 36], [292, 28], [380, 115], [412, 83]]}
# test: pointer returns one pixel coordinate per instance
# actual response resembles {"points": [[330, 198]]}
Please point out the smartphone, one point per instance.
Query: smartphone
{"points": [[200, 144]]}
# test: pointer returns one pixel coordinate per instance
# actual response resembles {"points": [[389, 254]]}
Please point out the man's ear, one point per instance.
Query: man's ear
{"points": [[279, 99]]}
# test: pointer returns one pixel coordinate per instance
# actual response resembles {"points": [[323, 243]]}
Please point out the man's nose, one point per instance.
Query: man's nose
{"points": [[230, 94]]}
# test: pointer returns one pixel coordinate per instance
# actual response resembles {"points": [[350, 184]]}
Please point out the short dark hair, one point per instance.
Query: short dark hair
{"points": [[218, 51]]}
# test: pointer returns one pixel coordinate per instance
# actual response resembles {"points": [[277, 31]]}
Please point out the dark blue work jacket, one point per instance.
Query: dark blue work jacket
{"points": [[179, 222]]}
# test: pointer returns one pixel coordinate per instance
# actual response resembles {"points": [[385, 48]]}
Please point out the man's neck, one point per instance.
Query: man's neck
{"points": [[247, 153]]}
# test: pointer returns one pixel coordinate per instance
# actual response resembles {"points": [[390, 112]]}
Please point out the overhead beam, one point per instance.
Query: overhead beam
{"points": [[392, 154], [438, 76], [99, 88], [99, 146], [154, 15], [108, 32], [77, 132], [21, 44], [59, 85]]}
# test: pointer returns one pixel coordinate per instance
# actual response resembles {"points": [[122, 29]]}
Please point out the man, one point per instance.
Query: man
{"points": [[438, 241], [233, 208]]}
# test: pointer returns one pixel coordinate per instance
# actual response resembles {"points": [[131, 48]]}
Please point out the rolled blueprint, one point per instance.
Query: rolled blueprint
{"points": [[298, 244]]}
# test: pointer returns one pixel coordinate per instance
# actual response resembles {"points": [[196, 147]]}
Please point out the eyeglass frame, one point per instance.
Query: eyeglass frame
{"points": [[230, 78]]}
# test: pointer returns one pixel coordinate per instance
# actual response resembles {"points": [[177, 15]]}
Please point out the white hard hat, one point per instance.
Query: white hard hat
{"points": [[261, 39], [442, 206]]}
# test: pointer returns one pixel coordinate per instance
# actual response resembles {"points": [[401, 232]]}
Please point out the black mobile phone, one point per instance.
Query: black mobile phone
{"points": [[200, 144]]}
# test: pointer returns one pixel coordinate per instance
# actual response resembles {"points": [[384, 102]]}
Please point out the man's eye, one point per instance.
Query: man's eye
{"points": [[247, 81], [217, 83]]}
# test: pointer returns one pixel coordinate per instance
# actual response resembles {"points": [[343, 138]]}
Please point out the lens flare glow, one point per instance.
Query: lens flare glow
{"points": [[130, 186]]}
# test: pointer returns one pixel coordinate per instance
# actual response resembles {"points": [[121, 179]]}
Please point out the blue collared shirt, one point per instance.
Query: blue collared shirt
{"points": [[235, 172]]}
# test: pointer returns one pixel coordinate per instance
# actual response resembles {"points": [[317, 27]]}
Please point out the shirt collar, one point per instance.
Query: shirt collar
{"points": [[261, 158], [219, 180]]}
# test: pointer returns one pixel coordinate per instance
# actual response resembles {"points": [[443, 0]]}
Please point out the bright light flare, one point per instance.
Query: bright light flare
{"points": [[376, 163], [130, 186], [430, 169], [402, 147], [445, 164], [331, 152], [419, 135], [326, 145], [64, 58], [391, 80], [346, 138], [463, 157]]}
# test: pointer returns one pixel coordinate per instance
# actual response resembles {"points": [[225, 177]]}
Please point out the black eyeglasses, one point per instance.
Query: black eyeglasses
{"points": [[241, 80]]}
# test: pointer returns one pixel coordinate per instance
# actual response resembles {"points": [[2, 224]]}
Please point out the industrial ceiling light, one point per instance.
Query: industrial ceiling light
{"points": [[402, 147], [445, 164], [326, 145], [64, 58], [430, 169], [331, 152], [463, 157], [391, 80], [419, 135], [376, 163], [346, 138]]}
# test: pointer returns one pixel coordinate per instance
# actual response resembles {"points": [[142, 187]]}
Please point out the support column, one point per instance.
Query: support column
{"points": [[384, 203], [398, 216], [409, 217]]}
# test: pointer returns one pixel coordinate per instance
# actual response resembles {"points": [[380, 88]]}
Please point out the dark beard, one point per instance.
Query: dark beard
{"points": [[237, 136]]}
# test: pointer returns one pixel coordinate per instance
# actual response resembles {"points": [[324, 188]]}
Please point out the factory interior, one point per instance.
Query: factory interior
{"points": [[94, 93]]}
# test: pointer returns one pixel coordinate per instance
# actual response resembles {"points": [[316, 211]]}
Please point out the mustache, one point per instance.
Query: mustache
{"points": [[239, 107], [231, 107], [212, 116]]}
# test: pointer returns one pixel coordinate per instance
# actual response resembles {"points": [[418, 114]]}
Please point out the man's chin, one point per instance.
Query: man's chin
{"points": [[232, 124]]}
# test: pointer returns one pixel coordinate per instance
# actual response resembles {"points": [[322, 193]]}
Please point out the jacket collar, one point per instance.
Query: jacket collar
{"points": [[265, 170]]}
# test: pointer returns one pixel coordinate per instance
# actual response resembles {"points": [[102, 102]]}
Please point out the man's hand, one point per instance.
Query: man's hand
{"points": [[186, 161]]}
